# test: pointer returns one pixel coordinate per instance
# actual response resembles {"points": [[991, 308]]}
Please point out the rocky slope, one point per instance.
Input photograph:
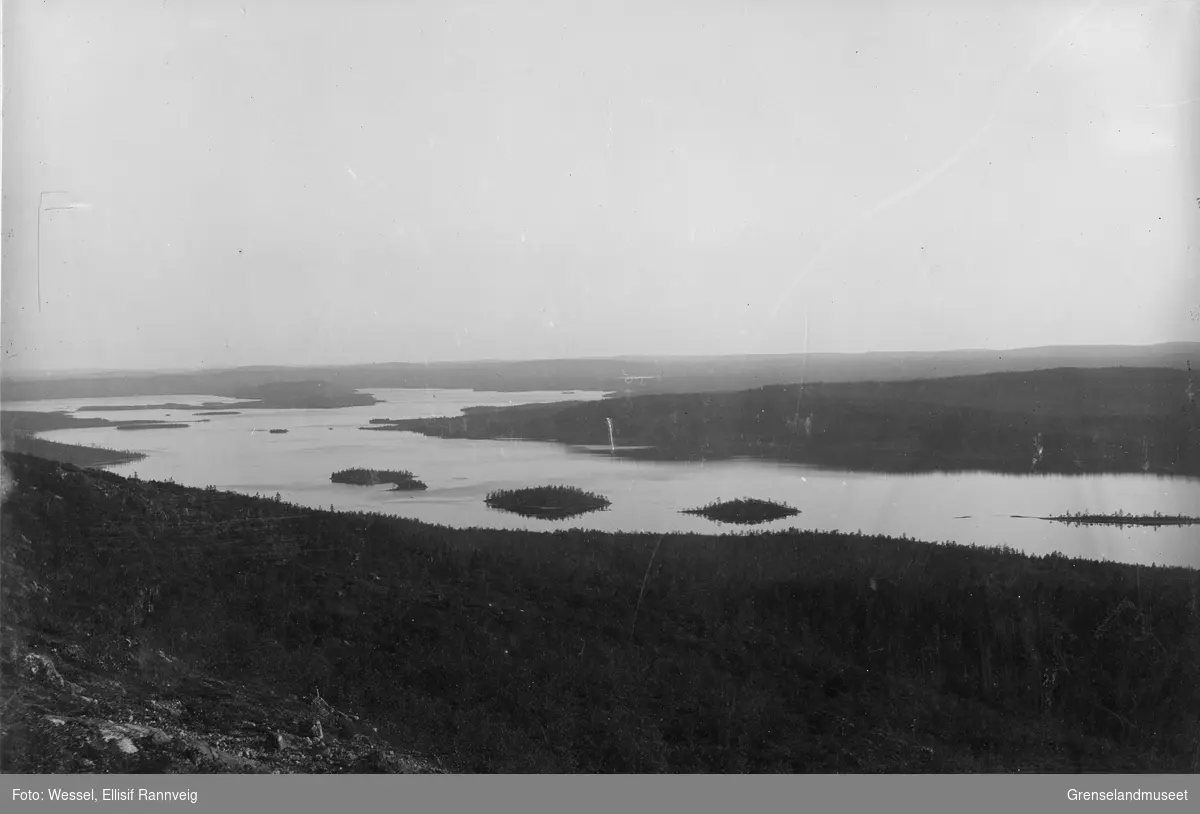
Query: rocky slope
{"points": [[92, 701], [71, 708]]}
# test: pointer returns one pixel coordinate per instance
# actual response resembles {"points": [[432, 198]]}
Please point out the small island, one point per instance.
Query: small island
{"points": [[117, 408], [746, 511], [1122, 518], [547, 502], [219, 412], [403, 481], [151, 425]]}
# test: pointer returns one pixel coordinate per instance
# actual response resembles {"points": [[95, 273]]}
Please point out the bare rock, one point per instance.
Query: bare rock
{"points": [[124, 746], [172, 708], [203, 752], [282, 742], [125, 737], [41, 668]]}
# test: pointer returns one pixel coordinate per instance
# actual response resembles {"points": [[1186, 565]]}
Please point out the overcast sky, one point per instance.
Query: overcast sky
{"points": [[304, 182]]}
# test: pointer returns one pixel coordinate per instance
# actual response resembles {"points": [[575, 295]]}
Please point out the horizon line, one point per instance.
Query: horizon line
{"points": [[95, 372]]}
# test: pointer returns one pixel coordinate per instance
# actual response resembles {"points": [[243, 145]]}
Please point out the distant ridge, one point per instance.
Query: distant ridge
{"points": [[641, 374]]}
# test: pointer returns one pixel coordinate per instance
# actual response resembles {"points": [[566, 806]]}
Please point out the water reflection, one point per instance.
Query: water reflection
{"points": [[547, 502], [744, 511]]}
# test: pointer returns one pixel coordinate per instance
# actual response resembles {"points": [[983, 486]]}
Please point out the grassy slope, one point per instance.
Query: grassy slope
{"points": [[512, 651], [1108, 420]]}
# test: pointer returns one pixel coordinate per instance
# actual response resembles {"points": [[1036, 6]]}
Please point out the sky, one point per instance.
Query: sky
{"points": [[303, 182]]}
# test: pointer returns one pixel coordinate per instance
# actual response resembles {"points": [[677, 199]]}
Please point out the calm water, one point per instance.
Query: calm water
{"points": [[237, 453]]}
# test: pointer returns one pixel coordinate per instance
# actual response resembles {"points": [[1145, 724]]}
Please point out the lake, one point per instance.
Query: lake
{"points": [[237, 452]]}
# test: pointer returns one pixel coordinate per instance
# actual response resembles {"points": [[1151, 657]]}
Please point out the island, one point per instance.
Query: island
{"points": [[151, 425], [402, 480], [31, 422], [1121, 518], [547, 502], [746, 511], [119, 408]]}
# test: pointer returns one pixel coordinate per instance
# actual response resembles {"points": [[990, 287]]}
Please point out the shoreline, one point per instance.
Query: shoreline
{"points": [[1061, 422], [892, 465]]}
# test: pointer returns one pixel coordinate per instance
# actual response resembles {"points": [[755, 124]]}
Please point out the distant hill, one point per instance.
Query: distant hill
{"points": [[271, 394], [1063, 420], [620, 374]]}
